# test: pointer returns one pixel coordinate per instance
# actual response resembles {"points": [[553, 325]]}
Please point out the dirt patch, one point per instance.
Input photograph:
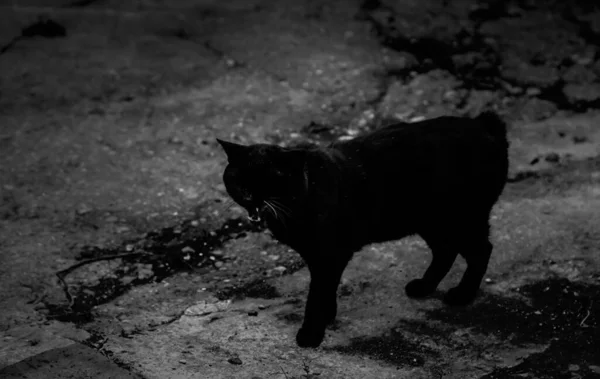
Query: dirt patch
{"points": [[546, 309], [554, 311], [75, 361], [559, 179], [393, 348], [537, 59], [257, 289], [114, 135], [189, 246]]}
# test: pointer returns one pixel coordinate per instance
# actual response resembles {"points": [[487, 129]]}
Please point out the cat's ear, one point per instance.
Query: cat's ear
{"points": [[234, 151]]}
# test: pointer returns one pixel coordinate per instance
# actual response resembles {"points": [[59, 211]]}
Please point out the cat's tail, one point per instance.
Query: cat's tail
{"points": [[494, 125]]}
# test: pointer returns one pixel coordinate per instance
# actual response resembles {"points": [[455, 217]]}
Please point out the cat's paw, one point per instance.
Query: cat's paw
{"points": [[418, 288], [459, 297], [310, 337]]}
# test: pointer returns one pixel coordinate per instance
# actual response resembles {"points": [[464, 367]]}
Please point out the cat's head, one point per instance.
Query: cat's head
{"points": [[260, 173]]}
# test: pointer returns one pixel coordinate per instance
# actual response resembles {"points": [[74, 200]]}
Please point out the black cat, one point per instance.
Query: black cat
{"points": [[437, 178]]}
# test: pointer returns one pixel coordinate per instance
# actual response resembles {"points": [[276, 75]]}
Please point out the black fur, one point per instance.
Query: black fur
{"points": [[438, 178]]}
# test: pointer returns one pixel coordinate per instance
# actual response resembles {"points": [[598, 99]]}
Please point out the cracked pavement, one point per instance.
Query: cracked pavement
{"points": [[110, 176]]}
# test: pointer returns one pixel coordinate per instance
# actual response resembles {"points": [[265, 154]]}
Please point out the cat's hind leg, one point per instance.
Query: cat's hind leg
{"points": [[444, 252], [476, 250]]}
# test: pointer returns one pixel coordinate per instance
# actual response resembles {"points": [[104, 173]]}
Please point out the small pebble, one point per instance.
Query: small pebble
{"points": [[188, 249], [218, 253], [274, 257], [218, 264], [230, 62], [183, 361], [129, 247], [235, 361], [112, 219], [122, 229], [195, 223], [262, 307], [488, 280], [83, 210]]}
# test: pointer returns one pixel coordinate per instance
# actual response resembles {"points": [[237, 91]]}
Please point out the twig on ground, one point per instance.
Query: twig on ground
{"points": [[10, 45], [582, 323], [284, 373], [62, 273]]}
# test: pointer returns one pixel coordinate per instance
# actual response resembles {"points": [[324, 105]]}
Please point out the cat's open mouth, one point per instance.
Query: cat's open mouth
{"points": [[254, 214]]}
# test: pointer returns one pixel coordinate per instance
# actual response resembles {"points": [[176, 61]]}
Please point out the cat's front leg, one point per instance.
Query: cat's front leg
{"points": [[321, 305]]}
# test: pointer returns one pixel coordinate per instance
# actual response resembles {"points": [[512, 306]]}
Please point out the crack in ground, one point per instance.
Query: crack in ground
{"points": [[481, 70], [46, 28], [170, 250]]}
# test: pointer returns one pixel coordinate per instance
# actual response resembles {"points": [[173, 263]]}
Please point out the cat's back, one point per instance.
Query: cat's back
{"points": [[458, 154], [487, 128], [447, 137]]}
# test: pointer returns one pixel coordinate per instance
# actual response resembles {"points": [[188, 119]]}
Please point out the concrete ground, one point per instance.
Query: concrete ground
{"points": [[122, 257]]}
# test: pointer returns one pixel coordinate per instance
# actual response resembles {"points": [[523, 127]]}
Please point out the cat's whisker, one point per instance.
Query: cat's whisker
{"points": [[284, 209], [273, 208]]}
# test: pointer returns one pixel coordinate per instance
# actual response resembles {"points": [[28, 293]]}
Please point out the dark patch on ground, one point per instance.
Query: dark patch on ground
{"points": [[566, 314], [566, 358], [564, 176], [557, 308], [185, 247], [260, 289], [75, 361], [471, 56], [555, 311], [476, 72], [46, 28], [81, 3], [291, 317], [393, 348]]}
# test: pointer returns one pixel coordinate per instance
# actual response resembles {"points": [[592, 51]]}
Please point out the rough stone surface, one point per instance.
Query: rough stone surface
{"points": [[74, 361], [108, 161]]}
